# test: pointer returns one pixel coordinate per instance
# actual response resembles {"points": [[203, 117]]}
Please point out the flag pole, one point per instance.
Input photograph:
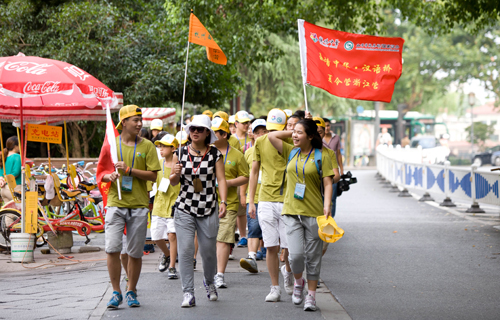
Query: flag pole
{"points": [[303, 64], [184, 97], [108, 121]]}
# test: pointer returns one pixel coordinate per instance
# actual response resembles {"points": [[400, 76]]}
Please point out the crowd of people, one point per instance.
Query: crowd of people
{"points": [[268, 177]]}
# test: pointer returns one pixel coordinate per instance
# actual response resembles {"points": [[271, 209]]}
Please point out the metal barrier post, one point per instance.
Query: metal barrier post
{"points": [[426, 196], [447, 201], [404, 193], [387, 182], [474, 208]]}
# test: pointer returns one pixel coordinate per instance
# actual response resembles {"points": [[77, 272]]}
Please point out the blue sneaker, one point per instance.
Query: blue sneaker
{"points": [[131, 297], [116, 300], [242, 243], [264, 251], [259, 256]]}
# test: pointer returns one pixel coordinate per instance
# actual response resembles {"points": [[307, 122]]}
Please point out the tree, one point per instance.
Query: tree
{"points": [[482, 132]]}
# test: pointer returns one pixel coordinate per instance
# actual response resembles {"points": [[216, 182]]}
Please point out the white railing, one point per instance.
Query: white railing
{"points": [[403, 167]]}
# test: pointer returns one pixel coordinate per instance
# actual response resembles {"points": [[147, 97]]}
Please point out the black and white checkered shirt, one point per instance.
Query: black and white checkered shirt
{"points": [[204, 203]]}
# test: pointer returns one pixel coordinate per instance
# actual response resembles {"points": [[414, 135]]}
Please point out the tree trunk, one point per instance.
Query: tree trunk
{"points": [[76, 150], [248, 98]]}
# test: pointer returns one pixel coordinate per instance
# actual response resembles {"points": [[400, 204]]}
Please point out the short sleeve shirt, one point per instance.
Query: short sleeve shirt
{"points": [[334, 143], [234, 142], [235, 166], [164, 201], [312, 204], [249, 160], [145, 159], [203, 203]]}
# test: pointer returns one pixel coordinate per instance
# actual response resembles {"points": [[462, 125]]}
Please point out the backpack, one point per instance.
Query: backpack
{"points": [[318, 154]]}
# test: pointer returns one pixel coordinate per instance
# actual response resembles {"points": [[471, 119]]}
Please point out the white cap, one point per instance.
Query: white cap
{"points": [[231, 119], [202, 120], [288, 112], [156, 124], [181, 137], [276, 119], [258, 123]]}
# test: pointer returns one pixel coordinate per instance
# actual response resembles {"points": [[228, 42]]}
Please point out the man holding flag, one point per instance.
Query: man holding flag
{"points": [[137, 163]]}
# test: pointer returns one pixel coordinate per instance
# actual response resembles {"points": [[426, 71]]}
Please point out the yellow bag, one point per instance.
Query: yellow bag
{"points": [[328, 230]]}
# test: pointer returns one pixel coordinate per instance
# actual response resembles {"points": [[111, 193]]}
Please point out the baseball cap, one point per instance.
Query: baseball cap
{"points": [[220, 124], [231, 119], [242, 116], [156, 124], [288, 112], [328, 230], [168, 140], [127, 112], [320, 122], [276, 119], [258, 123], [181, 137], [221, 114], [208, 113]]}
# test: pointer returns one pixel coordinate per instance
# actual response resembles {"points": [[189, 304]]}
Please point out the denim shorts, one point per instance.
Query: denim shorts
{"points": [[254, 230]]}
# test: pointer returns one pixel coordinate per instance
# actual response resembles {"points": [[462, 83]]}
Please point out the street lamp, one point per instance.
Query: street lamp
{"points": [[472, 102]]}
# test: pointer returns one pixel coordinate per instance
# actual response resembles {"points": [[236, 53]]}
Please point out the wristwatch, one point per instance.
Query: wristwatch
{"points": [[224, 202]]}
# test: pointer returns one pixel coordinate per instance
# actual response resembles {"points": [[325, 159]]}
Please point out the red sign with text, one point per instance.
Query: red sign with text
{"points": [[350, 65]]}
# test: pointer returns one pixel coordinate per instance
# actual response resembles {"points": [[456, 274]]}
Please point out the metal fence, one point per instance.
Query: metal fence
{"points": [[403, 168]]}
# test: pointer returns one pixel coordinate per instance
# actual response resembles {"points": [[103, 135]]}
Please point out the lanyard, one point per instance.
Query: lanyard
{"points": [[246, 143], [190, 160], [164, 168], [304, 167], [135, 147], [227, 150]]}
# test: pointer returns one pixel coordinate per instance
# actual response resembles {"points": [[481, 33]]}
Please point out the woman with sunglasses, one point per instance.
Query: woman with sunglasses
{"points": [[197, 169]]}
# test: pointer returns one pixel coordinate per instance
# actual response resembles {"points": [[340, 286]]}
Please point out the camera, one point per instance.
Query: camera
{"points": [[345, 181]]}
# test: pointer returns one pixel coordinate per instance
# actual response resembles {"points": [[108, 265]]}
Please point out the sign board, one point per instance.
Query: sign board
{"points": [[31, 213], [43, 133]]}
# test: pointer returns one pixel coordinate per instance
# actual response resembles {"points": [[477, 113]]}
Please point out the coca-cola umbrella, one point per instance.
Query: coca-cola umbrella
{"points": [[48, 90]]}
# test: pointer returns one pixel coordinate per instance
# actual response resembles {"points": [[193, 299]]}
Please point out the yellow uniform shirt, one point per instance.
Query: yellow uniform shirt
{"points": [[145, 159], [235, 166], [165, 200], [234, 142], [333, 157], [312, 204], [249, 159], [272, 166]]}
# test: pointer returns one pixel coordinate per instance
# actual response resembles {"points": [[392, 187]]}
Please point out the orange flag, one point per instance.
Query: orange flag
{"points": [[198, 34]]}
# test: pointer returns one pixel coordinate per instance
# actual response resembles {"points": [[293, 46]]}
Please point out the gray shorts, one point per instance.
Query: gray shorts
{"points": [[136, 221]]}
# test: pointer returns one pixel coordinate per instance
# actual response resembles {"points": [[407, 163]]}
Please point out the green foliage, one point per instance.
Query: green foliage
{"points": [[482, 132]]}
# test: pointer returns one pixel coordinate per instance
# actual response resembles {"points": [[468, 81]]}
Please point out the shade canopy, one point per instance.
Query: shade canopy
{"points": [[166, 115]]}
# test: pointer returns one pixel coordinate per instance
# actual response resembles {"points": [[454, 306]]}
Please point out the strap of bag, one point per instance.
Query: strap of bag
{"points": [[317, 161]]}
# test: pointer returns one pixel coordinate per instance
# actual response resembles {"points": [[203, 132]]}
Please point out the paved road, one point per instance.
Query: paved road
{"points": [[401, 259]]}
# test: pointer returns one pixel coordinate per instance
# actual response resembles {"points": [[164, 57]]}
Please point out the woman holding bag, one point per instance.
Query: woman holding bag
{"points": [[307, 172]]}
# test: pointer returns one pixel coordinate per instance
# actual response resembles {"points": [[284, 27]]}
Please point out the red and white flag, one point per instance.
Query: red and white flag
{"points": [[108, 157], [350, 65]]}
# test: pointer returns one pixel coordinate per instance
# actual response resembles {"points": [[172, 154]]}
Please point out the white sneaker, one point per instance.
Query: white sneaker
{"points": [[231, 257], [219, 281], [188, 301], [298, 293], [274, 295], [211, 291], [310, 303], [287, 279]]}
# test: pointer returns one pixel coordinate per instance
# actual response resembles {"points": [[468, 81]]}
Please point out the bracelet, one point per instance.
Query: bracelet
{"points": [[127, 170], [224, 202], [130, 172]]}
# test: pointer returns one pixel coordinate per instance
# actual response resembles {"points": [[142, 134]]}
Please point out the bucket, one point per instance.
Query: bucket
{"points": [[22, 245]]}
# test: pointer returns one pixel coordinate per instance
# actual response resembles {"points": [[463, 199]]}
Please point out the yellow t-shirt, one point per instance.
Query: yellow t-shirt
{"points": [[333, 157], [272, 165], [235, 166], [312, 204], [249, 159], [165, 200], [145, 159], [234, 142]]}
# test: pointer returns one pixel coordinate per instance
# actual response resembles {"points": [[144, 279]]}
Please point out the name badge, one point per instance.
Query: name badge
{"points": [[164, 185], [300, 190], [127, 183]]}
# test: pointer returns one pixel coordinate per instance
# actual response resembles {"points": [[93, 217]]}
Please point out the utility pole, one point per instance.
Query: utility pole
{"points": [[472, 102]]}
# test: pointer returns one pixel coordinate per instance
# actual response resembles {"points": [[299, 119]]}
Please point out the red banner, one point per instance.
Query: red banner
{"points": [[350, 65]]}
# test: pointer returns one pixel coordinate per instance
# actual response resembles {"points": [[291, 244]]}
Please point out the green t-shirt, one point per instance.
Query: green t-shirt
{"points": [[249, 159], [165, 200], [235, 166], [312, 204], [234, 142], [13, 167], [146, 158], [272, 166]]}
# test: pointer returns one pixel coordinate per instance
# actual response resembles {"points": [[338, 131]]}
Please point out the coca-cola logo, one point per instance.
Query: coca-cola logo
{"points": [[99, 92], [25, 66], [41, 88]]}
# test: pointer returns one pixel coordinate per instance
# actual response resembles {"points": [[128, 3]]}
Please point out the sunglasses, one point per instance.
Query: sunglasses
{"points": [[197, 129]]}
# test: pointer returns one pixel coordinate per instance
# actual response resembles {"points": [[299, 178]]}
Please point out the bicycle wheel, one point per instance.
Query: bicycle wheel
{"points": [[8, 218]]}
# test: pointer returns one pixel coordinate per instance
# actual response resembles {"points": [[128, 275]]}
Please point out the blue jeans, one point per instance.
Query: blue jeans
{"points": [[254, 230], [334, 199]]}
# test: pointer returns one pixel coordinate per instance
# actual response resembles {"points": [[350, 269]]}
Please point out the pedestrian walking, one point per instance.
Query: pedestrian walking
{"points": [[138, 164], [196, 170], [236, 173], [332, 142], [307, 172]]}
